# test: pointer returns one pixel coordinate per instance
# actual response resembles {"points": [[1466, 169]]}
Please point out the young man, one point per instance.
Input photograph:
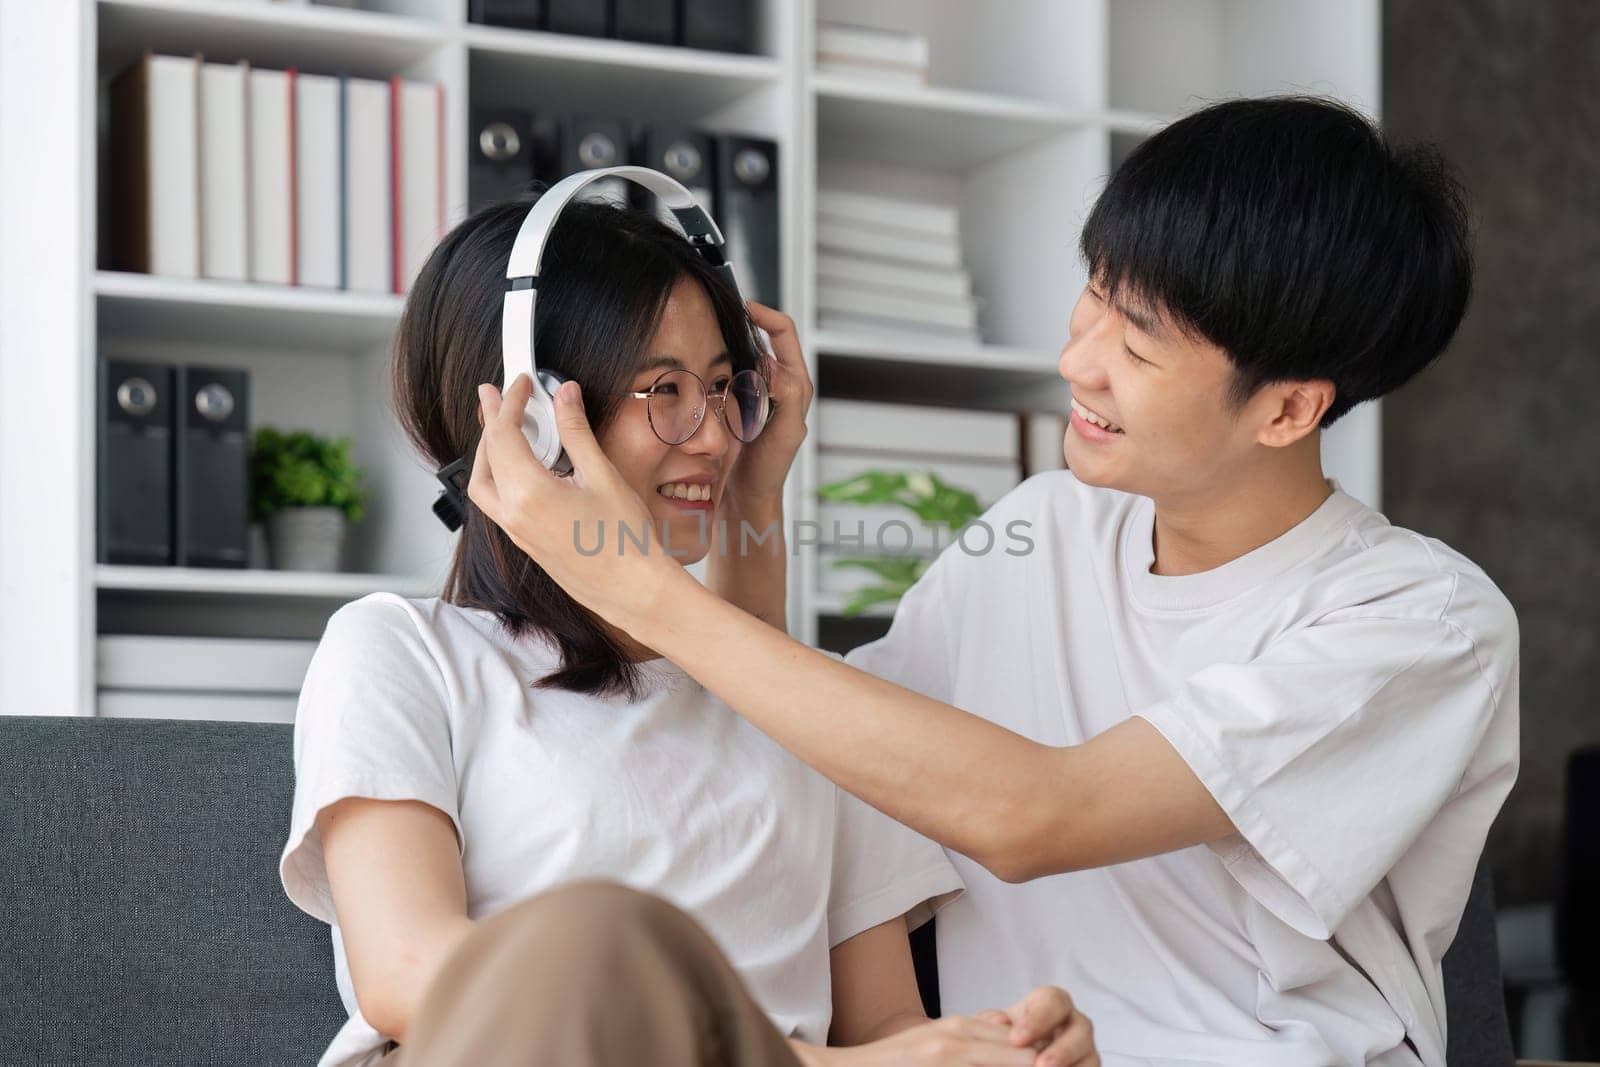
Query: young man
{"points": [[1228, 743]]}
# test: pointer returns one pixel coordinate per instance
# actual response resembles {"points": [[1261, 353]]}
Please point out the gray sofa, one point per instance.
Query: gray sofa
{"points": [[142, 921]]}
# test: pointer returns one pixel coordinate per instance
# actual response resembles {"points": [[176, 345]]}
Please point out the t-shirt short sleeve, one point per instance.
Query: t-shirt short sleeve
{"points": [[1331, 752], [883, 869], [915, 653], [372, 721]]}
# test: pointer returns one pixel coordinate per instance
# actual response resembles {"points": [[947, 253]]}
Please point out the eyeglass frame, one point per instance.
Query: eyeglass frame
{"points": [[721, 397]]}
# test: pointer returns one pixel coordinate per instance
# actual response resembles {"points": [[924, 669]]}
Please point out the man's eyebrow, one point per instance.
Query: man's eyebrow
{"points": [[665, 362], [1144, 320]]}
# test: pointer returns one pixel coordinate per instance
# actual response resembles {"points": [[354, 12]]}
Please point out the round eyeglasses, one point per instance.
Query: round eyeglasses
{"points": [[676, 405]]}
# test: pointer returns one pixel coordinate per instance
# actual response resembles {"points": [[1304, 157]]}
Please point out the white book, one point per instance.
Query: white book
{"points": [[921, 218], [155, 122], [218, 664], [869, 42], [855, 300], [418, 196], [896, 330], [368, 209], [843, 236], [891, 73], [271, 185], [318, 231], [1044, 442], [224, 171], [834, 267], [162, 704], [917, 431]]}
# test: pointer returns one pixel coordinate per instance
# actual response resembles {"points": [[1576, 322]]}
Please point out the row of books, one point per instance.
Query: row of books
{"points": [[232, 172], [986, 453], [227, 678], [893, 264], [892, 56]]}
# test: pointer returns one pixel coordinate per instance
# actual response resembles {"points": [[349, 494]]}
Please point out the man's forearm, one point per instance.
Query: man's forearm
{"points": [[959, 779]]}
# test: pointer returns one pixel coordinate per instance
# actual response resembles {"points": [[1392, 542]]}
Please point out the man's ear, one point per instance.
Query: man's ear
{"points": [[1296, 410]]}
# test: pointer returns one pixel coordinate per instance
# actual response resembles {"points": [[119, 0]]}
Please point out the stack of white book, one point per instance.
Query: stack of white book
{"points": [[885, 263], [222, 170], [867, 52], [237, 679], [979, 451]]}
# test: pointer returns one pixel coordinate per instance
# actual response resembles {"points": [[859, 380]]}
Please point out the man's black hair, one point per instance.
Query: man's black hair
{"points": [[1290, 233]]}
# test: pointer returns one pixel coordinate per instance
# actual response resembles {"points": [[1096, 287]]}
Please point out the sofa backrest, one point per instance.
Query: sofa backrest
{"points": [[141, 916]]}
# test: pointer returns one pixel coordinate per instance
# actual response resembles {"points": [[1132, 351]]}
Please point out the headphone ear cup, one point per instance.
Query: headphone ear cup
{"points": [[539, 422]]}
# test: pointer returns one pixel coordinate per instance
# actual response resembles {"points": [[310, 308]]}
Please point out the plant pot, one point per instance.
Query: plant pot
{"points": [[306, 539]]}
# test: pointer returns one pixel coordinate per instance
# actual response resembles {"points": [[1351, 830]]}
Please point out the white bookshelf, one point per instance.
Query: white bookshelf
{"points": [[1029, 103]]}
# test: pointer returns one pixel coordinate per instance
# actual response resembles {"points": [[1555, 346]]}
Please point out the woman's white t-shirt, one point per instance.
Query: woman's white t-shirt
{"points": [[418, 699], [1347, 693]]}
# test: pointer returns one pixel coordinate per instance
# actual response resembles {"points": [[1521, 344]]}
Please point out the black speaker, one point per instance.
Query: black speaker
{"points": [[213, 467], [654, 21], [501, 155], [680, 152], [747, 212], [134, 469], [590, 18], [515, 14], [722, 25]]}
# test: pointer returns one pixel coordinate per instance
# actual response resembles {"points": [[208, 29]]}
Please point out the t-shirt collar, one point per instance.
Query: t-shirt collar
{"points": [[1214, 587]]}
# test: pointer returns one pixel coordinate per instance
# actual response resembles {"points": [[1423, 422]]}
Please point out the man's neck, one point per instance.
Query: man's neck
{"points": [[1199, 533]]}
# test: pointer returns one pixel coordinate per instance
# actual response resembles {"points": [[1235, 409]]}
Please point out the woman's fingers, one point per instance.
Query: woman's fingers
{"points": [[1072, 1047], [1039, 1014]]}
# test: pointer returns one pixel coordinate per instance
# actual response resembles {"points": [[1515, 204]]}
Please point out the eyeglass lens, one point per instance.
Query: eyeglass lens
{"points": [[678, 404]]}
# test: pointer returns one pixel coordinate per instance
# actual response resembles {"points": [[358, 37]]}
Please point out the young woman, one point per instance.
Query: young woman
{"points": [[457, 756]]}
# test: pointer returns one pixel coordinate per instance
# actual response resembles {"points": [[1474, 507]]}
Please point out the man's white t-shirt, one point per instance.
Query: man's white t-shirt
{"points": [[419, 699], [1348, 694]]}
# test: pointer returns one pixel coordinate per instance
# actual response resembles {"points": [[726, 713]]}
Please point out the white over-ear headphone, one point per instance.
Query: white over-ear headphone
{"points": [[522, 289]]}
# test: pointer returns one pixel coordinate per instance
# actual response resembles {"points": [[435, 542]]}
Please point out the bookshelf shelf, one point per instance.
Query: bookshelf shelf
{"points": [[929, 127], [316, 38], [258, 583], [910, 349], [147, 307]]}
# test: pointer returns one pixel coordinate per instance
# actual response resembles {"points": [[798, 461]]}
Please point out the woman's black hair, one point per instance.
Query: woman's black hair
{"points": [[1291, 234], [605, 280]]}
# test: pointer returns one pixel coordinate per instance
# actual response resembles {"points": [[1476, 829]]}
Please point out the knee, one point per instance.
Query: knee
{"points": [[589, 924]]}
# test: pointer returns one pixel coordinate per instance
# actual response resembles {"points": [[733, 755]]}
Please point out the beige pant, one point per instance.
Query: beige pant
{"points": [[590, 975]]}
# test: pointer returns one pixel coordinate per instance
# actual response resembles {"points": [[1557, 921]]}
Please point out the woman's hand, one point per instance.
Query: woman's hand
{"points": [[755, 486], [1043, 1029], [577, 527], [1047, 1020]]}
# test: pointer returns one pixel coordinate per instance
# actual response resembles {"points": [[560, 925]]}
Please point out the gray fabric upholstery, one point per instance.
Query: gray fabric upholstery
{"points": [[141, 917], [142, 922]]}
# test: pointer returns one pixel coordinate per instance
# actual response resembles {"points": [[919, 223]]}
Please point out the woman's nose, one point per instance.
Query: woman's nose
{"points": [[712, 436]]}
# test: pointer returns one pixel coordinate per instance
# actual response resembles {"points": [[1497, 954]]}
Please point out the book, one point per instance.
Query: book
{"points": [[367, 258], [154, 150], [950, 313], [872, 44], [920, 218], [843, 236], [318, 232], [919, 430], [224, 171], [416, 132], [840, 269], [890, 73], [216, 664], [270, 183]]}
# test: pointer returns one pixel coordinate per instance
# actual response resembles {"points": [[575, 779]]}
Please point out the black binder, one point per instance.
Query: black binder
{"points": [[134, 469], [515, 14], [591, 18], [590, 142], [747, 212], [723, 25], [680, 152], [655, 21], [213, 467], [501, 155]]}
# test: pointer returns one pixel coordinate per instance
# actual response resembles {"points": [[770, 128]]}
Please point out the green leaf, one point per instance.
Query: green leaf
{"points": [[301, 469]]}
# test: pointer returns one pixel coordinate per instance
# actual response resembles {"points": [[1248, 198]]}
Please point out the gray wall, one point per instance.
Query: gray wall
{"points": [[1496, 449]]}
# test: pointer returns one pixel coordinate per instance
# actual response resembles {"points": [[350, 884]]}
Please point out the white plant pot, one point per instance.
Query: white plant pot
{"points": [[306, 539]]}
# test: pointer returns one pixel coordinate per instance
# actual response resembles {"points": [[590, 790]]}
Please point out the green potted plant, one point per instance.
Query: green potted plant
{"points": [[931, 499], [307, 491]]}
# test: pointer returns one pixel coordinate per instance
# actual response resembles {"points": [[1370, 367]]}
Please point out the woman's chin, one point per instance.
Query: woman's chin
{"points": [[687, 535]]}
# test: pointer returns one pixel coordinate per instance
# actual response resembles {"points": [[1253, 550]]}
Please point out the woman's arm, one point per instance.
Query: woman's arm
{"points": [[399, 919]]}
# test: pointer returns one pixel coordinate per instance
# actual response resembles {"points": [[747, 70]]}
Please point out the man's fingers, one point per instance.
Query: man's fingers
{"points": [[1039, 1014], [994, 1015]]}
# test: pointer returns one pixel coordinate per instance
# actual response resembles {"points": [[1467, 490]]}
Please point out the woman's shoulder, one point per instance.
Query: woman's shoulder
{"points": [[447, 632]]}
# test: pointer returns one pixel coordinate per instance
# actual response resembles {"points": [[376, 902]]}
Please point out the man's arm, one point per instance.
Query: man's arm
{"points": [[1022, 809]]}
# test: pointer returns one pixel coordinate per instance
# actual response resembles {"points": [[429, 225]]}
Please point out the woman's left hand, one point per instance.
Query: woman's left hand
{"points": [[756, 483], [571, 526]]}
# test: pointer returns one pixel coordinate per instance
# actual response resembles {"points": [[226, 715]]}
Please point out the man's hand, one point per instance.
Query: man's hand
{"points": [[954, 1041], [1047, 1020]]}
